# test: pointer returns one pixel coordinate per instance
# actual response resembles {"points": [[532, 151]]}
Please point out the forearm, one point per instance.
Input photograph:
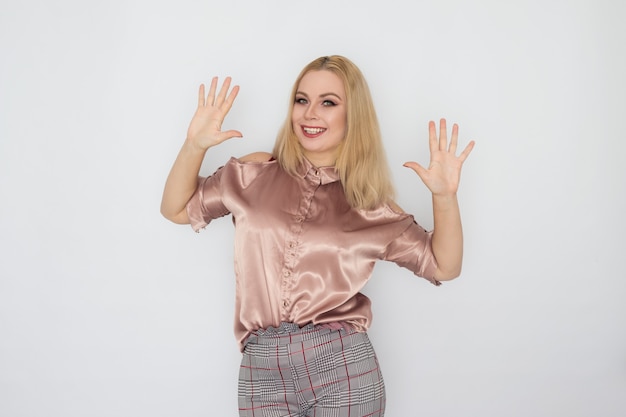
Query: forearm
{"points": [[447, 238], [181, 183]]}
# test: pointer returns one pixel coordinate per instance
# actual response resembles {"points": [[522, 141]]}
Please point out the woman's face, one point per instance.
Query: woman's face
{"points": [[319, 116]]}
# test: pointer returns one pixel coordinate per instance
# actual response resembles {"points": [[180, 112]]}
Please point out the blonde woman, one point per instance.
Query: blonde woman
{"points": [[311, 219]]}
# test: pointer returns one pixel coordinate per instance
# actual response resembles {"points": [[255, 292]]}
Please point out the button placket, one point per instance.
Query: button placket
{"points": [[292, 244]]}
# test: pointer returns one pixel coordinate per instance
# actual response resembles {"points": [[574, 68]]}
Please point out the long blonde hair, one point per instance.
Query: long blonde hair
{"points": [[361, 164]]}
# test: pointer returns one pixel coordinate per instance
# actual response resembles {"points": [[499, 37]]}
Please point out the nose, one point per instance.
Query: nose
{"points": [[310, 114]]}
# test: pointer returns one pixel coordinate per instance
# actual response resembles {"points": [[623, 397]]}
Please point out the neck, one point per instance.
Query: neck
{"points": [[320, 161]]}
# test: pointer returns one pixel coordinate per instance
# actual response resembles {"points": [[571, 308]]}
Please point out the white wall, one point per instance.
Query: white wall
{"points": [[106, 309]]}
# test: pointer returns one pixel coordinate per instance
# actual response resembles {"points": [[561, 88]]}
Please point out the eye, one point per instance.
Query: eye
{"points": [[328, 103], [301, 100]]}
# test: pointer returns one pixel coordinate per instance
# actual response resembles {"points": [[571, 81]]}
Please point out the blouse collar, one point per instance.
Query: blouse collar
{"points": [[322, 175]]}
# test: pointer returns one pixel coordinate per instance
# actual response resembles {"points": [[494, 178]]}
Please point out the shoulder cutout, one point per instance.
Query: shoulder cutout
{"points": [[257, 157]]}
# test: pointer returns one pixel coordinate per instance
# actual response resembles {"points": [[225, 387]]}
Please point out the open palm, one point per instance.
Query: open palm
{"points": [[444, 171], [205, 129]]}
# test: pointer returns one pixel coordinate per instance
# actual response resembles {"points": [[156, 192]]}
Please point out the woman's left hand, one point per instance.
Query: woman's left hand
{"points": [[444, 172]]}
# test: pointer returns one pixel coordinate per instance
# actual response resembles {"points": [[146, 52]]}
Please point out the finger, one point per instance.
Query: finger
{"points": [[229, 134], [231, 98], [467, 151], [443, 135], [211, 97], [222, 95], [433, 143], [419, 170], [201, 96], [454, 139]]}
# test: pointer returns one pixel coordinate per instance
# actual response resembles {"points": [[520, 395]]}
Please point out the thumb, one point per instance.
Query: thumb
{"points": [[228, 134], [419, 170]]}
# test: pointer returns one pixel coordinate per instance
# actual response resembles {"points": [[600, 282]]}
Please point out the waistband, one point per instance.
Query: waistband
{"points": [[287, 333]]}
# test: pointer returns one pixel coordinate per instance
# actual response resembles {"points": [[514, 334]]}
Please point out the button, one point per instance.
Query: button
{"points": [[292, 244], [299, 219], [285, 303], [286, 273]]}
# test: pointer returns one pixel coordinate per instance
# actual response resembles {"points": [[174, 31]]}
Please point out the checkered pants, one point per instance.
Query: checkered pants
{"points": [[311, 371]]}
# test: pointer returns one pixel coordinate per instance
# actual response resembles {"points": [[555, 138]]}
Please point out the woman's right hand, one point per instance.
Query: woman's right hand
{"points": [[205, 129]]}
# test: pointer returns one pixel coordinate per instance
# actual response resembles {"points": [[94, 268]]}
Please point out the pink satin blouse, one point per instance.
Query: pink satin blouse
{"points": [[302, 254]]}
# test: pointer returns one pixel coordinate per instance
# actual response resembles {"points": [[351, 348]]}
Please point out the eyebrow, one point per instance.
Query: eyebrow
{"points": [[321, 95]]}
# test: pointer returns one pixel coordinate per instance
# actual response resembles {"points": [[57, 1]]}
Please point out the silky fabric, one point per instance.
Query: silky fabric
{"points": [[302, 254]]}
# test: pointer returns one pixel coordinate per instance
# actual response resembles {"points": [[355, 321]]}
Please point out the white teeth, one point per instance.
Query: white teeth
{"points": [[313, 130]]}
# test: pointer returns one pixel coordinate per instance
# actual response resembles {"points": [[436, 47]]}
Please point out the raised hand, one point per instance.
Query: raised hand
{"points": [[444, 171], [205, 129]]}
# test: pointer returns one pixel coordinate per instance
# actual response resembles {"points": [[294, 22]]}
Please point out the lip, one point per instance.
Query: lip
{"points": [[312, 131]]}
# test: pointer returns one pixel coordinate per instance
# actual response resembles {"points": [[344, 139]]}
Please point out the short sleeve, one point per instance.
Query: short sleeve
{"points": [[412, 249], [206, 203]]}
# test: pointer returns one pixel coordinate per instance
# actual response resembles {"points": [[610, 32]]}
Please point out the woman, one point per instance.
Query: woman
{"points": [[311, 219]]}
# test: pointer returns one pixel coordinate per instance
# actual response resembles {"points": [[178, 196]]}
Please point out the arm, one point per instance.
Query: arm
{"points": [[442, 179], [181, 183], [204, 132]]}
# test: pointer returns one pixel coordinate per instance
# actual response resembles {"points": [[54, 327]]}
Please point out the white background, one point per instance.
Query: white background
{"points": [[107, 309]]}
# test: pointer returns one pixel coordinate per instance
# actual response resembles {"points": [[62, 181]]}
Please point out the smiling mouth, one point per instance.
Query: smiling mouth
{"points": [[313, 130]]}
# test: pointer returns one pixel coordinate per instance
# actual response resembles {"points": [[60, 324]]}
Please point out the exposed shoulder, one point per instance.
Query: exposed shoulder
{"points": [[256, 157]]}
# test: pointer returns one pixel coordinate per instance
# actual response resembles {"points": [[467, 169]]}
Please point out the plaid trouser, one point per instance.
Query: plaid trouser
{"points": [[313, 371]]}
